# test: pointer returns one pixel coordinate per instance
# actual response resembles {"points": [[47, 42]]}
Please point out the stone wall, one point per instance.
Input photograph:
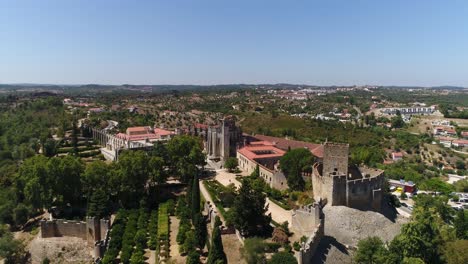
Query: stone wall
{"points": [[365, 193], [308, 248], [275, 179], [308, 220], [335, 159], [58, 228], [91, 230]]}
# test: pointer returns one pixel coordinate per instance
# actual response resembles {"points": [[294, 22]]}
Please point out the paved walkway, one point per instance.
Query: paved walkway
{"points": [[278, 214], [208, 198]]}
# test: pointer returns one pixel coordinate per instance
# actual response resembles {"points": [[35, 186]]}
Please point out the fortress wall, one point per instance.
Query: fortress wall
{"points": [[104, 227], [338, 190], [306, 219], [308, 248], [58, 228], [318, 183], [365, 193]]}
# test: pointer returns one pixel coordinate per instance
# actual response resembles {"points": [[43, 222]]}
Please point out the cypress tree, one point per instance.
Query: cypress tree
{"points": [[195, 198], [216, 254], [189, 197], [200, 230]]}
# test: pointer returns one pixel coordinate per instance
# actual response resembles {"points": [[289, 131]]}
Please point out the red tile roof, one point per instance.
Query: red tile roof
{"points": [[285, 144], [137, 137], [255, 152], [162, 132], [202, 126], [461, 141], [138, 129]]}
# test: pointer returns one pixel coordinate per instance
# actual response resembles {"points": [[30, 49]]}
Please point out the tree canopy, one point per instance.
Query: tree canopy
{"points": [[293, 163]]}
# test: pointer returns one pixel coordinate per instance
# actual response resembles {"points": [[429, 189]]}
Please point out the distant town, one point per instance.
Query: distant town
{"points": [[232, 173]]}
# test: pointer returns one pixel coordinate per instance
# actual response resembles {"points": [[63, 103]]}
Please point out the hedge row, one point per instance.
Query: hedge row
{"points": [[128, 241], [163, 230], [153, 230]]}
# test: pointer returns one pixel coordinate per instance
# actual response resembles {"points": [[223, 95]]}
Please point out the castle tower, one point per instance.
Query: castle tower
{"points": [[335, 159]]}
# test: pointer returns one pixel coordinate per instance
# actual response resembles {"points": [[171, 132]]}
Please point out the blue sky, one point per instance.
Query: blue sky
{"points": [[219, 41]]}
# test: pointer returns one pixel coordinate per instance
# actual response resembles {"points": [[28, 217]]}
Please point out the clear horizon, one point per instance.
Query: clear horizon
{"points": [[401, 43]]}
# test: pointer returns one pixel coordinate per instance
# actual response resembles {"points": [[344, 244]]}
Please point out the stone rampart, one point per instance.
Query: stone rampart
{"points": [[91, 230], [59, 227]]}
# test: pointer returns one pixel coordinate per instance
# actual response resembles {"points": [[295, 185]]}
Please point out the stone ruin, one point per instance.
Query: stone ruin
{"points": [[94, 231]]}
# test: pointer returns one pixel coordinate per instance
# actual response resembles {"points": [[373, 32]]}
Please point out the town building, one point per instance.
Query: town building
{"points": [[335, 182], [460, 143], [396, 156], [406, 186], [145, 134], [265, 156], [409, 110], [265, 153], [464, 134], [444, 130]]}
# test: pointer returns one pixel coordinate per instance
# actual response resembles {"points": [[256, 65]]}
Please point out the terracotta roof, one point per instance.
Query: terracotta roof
{"points": [[285, 144], [445, 139], [203, 126], [255, 152], [138, 129], [461, 141], [397, 154], [137, 137], [162, 132]]}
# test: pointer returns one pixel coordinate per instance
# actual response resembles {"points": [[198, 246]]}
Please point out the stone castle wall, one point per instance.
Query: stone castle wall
{"points": [[91, 230], [335, 159], [58, 228], [309, 221], [335, 185], [365, 193]]}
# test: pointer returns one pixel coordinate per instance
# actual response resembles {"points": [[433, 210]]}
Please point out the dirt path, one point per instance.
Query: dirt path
{"points": [[232, 248], [150, 256], [174, 247]]}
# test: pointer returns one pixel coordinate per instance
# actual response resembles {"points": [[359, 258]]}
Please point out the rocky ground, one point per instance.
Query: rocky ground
{"points": [[60, 250], [344, 227]]}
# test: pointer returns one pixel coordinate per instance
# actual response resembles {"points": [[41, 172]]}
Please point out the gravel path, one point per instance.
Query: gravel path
{"points": [[174, 247]]}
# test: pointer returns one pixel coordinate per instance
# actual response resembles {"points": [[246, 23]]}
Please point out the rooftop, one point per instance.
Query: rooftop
{"points": [[285, 144], [253, 152]]}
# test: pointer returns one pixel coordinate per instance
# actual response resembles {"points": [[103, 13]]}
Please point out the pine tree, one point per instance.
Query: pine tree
{"points": [[98, 204], [200, 230], [216, 254], [195, 198]]}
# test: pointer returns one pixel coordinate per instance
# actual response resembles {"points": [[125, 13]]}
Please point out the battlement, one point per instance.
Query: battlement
{"points": [[337, 183]]}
